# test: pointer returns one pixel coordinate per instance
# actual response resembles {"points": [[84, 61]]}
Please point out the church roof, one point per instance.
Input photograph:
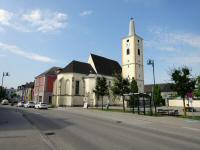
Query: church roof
{"points": [[105, 66], [51, 71], [78, 67]]}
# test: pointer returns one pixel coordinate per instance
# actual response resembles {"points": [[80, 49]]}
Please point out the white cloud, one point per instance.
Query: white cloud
{"points": [[5, 17], [86, 13], [46, 21], [183, 60], [29, 55], [33, 20], [169, 49], [165, 40]]}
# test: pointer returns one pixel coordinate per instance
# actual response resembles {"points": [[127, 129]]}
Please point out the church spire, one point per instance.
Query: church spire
{"points": [[131, 28]]}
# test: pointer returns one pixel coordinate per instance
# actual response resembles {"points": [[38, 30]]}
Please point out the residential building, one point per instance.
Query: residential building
{"points": [[165, 88], [43, 87], [25, 92], [10, 93]]}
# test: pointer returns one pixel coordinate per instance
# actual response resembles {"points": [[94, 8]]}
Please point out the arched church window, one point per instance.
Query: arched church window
{"points": [[62, 86], [67, 87]]}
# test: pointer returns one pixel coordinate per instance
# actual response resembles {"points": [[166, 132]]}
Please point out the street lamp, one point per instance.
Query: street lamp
{"points": [[4, 75], [151, 62]]}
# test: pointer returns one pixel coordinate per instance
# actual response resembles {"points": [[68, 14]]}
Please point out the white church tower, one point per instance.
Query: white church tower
{"points": [[132, 57]]}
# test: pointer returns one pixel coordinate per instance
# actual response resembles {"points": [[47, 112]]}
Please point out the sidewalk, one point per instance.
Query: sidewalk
{"points": [[17, 132], [134, 119]]}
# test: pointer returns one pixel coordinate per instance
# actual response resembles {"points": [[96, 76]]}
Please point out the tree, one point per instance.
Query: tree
{"points": [[157, 96], [133, 89], [120, 87], [2, 92], [183, 83], [197, 90], [101, 88]]}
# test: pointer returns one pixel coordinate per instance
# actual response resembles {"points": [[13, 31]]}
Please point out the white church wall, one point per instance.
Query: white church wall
{"points": [[90, 61]]}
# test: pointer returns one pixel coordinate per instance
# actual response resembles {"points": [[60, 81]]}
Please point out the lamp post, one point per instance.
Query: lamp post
{"points": [[4, 75], [151, 62]]}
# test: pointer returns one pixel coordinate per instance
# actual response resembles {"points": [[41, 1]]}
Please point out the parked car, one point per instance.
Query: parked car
{"points": [[29, 105], [20, 104], [4, 102], [41, 105]]}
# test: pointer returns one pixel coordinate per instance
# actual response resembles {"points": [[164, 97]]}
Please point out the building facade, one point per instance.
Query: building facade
{"points": [[10, 93], [76, 82], [25, 92], [132, 57], [165, 88], [43, 87]]}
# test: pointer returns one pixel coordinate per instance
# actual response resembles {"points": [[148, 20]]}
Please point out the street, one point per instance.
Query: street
{"points": [[78, 129]]}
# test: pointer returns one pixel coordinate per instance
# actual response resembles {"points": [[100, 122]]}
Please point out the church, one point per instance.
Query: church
{"points": [[77, 80]]}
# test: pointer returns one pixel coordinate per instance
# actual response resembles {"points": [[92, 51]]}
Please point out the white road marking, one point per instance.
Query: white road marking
{"points": [[47, 142]]}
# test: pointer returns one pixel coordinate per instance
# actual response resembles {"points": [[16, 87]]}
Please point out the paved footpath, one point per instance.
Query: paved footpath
{"points": [[16, 133]]}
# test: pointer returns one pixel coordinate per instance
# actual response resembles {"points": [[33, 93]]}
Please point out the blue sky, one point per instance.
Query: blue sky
{"points": [[38, 34]]}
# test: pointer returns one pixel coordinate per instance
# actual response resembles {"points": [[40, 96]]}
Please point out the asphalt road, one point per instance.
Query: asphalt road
{"points": [[27, 129]]}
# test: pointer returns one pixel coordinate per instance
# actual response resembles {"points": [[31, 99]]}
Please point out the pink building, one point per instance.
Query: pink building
{"points": [[43, 88]]}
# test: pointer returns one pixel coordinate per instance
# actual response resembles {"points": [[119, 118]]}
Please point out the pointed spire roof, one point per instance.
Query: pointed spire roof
{"points": [[131, 27]]}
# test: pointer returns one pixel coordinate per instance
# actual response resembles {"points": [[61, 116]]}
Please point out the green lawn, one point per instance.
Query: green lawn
{"points": [[112, 110], [191, 117]]}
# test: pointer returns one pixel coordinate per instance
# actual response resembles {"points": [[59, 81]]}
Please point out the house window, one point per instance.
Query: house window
{"points": [[138, 51], [138, 41], [77, 88], [128, 51]]}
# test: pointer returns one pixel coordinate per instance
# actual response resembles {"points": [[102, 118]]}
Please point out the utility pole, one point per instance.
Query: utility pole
{"points": [[4, 75], [151, 62]]}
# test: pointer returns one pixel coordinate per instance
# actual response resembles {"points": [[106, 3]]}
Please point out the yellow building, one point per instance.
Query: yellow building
{"points": [[132, 57]]}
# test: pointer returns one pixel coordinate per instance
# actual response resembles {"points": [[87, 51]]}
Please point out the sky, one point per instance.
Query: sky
{"points": [[38, 34]]}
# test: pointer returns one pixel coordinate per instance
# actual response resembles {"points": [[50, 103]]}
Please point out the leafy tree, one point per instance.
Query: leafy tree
{"points": [[13, 95], [197, 90], [2, 92], [133, 89], [120, 87], [183, 83], [101, 88], [157, 96]]}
